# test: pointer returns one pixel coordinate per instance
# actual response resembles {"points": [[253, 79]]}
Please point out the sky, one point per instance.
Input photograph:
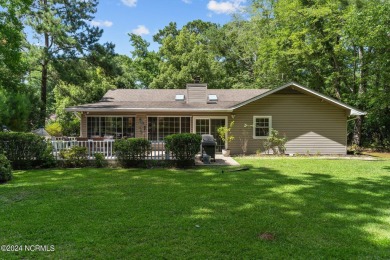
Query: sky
{"points": [[145, 17]]}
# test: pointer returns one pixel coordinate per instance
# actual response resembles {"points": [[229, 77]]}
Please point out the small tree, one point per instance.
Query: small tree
{"points": [[244, 138], [275, 142], [225, 133]]}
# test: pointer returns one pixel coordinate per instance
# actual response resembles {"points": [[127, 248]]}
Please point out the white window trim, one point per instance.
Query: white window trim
{"points": [[158, 128], [194, 118], [100, 118], [254, 127]]}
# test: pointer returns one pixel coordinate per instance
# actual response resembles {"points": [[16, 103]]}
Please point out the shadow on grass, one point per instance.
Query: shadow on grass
{"points": [[316, 213]]}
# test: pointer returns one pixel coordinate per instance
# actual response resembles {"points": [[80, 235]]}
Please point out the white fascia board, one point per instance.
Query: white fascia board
{"points": [[353, 111], [70, 109]]}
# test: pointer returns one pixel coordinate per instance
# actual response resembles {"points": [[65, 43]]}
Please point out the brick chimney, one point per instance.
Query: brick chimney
{"points": [[196, 93]]}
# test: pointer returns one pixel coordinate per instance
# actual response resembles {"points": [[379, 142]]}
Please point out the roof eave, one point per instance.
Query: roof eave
{"points": [[78, 109], [355, 112]]}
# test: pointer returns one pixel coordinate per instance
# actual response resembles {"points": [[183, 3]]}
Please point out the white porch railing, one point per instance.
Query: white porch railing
{"points": [[106, 147]]}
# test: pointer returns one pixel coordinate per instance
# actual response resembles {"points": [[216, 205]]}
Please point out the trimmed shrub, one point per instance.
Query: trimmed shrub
{"points": [[48, 159], [131, 152], [74, 157], [100, 161], [24, 150], [184, 147], [5, 169]]}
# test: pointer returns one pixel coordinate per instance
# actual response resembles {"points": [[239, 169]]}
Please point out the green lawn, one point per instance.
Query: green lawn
{"points": [[314, 208]]}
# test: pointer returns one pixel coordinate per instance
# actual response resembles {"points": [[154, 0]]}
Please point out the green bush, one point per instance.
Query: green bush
{"points": [[100, 161], [48, 159], [355, 149], [74, 157], [275, 142], [5, 169], [184, 147], [54, 129], [24, 150], [131, 152]]}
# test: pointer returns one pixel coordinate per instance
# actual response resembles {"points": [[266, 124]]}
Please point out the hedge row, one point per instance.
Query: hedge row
{"points": [[131, 152], [26, 150]]}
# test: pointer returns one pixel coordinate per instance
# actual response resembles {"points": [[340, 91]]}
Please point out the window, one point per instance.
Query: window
{"points": [[152, 128], [168, 126], [117, 127], [159, 127], [129, 127], [261, 126]]}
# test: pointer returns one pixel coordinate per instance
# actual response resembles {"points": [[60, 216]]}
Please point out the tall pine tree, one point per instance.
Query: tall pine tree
{"points": [[63, 30]]}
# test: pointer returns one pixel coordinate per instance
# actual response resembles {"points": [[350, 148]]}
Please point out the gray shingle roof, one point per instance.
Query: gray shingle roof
{"points": [[164, 99]]}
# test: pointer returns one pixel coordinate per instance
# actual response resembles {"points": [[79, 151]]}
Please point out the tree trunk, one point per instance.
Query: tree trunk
{"points": [[357, 130], [45, 62], [42, 117]]}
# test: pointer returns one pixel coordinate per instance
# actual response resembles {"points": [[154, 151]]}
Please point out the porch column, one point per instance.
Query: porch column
{"points": [[141, 126], [83, 125]]}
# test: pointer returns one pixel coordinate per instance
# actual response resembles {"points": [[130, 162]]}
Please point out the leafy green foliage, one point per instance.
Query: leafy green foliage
{"points": [[355, 149], [337, 47], [63, 28], [17, 109], [145, 63], [184, 147], [91, 90], [5, 169], [100, 161], [48, 159], [76, 156], [132, 151], [224, 132], [275, 142], [54, 129], [24, 150], [183, 58], [12, 66]]}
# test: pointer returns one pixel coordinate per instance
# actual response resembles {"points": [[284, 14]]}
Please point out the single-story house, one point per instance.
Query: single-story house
{"points": [[312, 122]]}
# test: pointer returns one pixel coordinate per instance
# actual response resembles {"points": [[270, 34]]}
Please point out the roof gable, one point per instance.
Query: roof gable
{"points": [[353, 111]]}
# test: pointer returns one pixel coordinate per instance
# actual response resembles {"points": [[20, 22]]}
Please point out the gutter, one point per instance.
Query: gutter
{"points": [[70, 109]]}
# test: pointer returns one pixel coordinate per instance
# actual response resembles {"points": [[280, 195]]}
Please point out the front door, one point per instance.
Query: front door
{"points": [[210, 126]]}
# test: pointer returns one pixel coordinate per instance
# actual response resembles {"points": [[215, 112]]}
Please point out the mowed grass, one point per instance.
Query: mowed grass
{"points": [[313, 208]]}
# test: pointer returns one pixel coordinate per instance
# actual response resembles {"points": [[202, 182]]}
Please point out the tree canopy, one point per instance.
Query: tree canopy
{"points": [[338, 47]]}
